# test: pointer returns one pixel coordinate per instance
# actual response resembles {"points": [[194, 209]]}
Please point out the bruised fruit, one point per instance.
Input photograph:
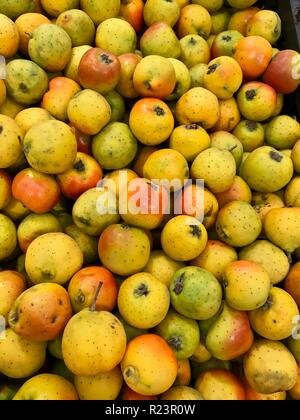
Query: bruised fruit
{"points": [[269, 367]]}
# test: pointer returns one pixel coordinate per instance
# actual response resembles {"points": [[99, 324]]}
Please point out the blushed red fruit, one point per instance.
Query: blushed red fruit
{"points": [[292, 283], [283, 73], [128, 65], [253, 54], [36, 191], [84, 141], [99, 70], [85, 174], [219, 384], [83, 286], [132, 11]]}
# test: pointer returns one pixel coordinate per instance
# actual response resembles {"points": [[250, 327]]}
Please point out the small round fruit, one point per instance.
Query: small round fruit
{"points": [[8, 237], [267, 24], [251, 134], [78, 25], [238, 224], [10, 142], [26, 24], [247, 285], [123, 249], [195, 293], [276, 319], [146, 378], [9, 36], [189, 140], [183, 230], [41, 312], [53, 257], [181, 393], [12, 284], [162, 267], [283, 132], [143, 301], [269, 367], [257, 101], [219, 384]]}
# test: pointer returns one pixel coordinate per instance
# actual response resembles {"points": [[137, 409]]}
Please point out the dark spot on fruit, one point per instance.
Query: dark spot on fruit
{"points": [[125, 226], [250, 94], [192, 127], [196, 231], [268, 304], [80, 298], [276, 156], [47, 275], [147, 84], [251, 125], [53, 320], [20, 140], [160, 112], [142, 290], [106, 59], [192, 41], [27, 147], [1, 129], [60, 302], [14, 317], [23, 88], [226, 38], [179, 284], [212, 68], [83, 220], [79, 166], [175, 343]]}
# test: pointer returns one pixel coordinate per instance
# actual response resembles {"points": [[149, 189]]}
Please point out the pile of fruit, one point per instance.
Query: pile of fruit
{"points": [[102, 104]]}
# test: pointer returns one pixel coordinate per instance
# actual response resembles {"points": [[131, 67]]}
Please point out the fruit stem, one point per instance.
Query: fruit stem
{"points": [[93, 306]]}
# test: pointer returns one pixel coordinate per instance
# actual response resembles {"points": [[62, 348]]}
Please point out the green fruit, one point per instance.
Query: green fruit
{"points": [[15, 8], [8, 391], [115, 146], [59, 368], [283, 132], [131, 332], [270, 257], [267, 170], [160, 39], [238, 224], [78, 25], [213, 363], [227, 141], [181, 334], [88, 244], [195, 293], [117, 105], [54, 347], [26, 82], [50, 47], [294, 347], [251, 134]]}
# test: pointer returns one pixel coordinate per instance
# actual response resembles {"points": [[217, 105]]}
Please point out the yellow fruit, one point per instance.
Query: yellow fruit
{"points": [[104, 386], [162, 267], [9, 36]]}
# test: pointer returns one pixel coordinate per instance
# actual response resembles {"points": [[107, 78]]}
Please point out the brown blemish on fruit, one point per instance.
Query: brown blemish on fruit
{"points": [[179, 284]]}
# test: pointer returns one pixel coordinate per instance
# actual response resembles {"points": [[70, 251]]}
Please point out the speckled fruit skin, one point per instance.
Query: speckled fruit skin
{"points": [[247, 285], [161, 11], [205, 167], [104, 386], [115, 146], [123, 249], [50, 47], [251, 134], [181, 333], [238, 224], [269, 256], [10, 37], [8, 237], [239, 20], [181, 393], [100, 10], [117, 36], [160, 39], [190, 288], [89, 111], [226, 141], [257, 101], [276, 319], [189, 140], [239, 191], [151, 121], [35, 191], [198, 105], [50, 147], [29, 117], [34, 81], [223, 77], [13, 9], [270, 367], [12, 284], [283, 132], [47, 387], [55, 7], [10, 142], [93, 342], [194, 50], [278, 223], [143, 301], [215, 258], [21, 358], [219, 384], [86, 215], [187, 230], [194, 19], [41, 312], [267, 160], [162, 267], [145, 378], [78, 25], [54, 257], [233, 324], [230, 115], [26, 24]]}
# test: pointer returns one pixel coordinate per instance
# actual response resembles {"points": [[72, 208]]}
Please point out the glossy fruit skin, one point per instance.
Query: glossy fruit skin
{"points": [[136, 372], [99, 70], [282, 73], [85, 174], [38, 192], [46, 318], [253, 54], [132, 11], [83, 286], [257, 101], [12, 285]]}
